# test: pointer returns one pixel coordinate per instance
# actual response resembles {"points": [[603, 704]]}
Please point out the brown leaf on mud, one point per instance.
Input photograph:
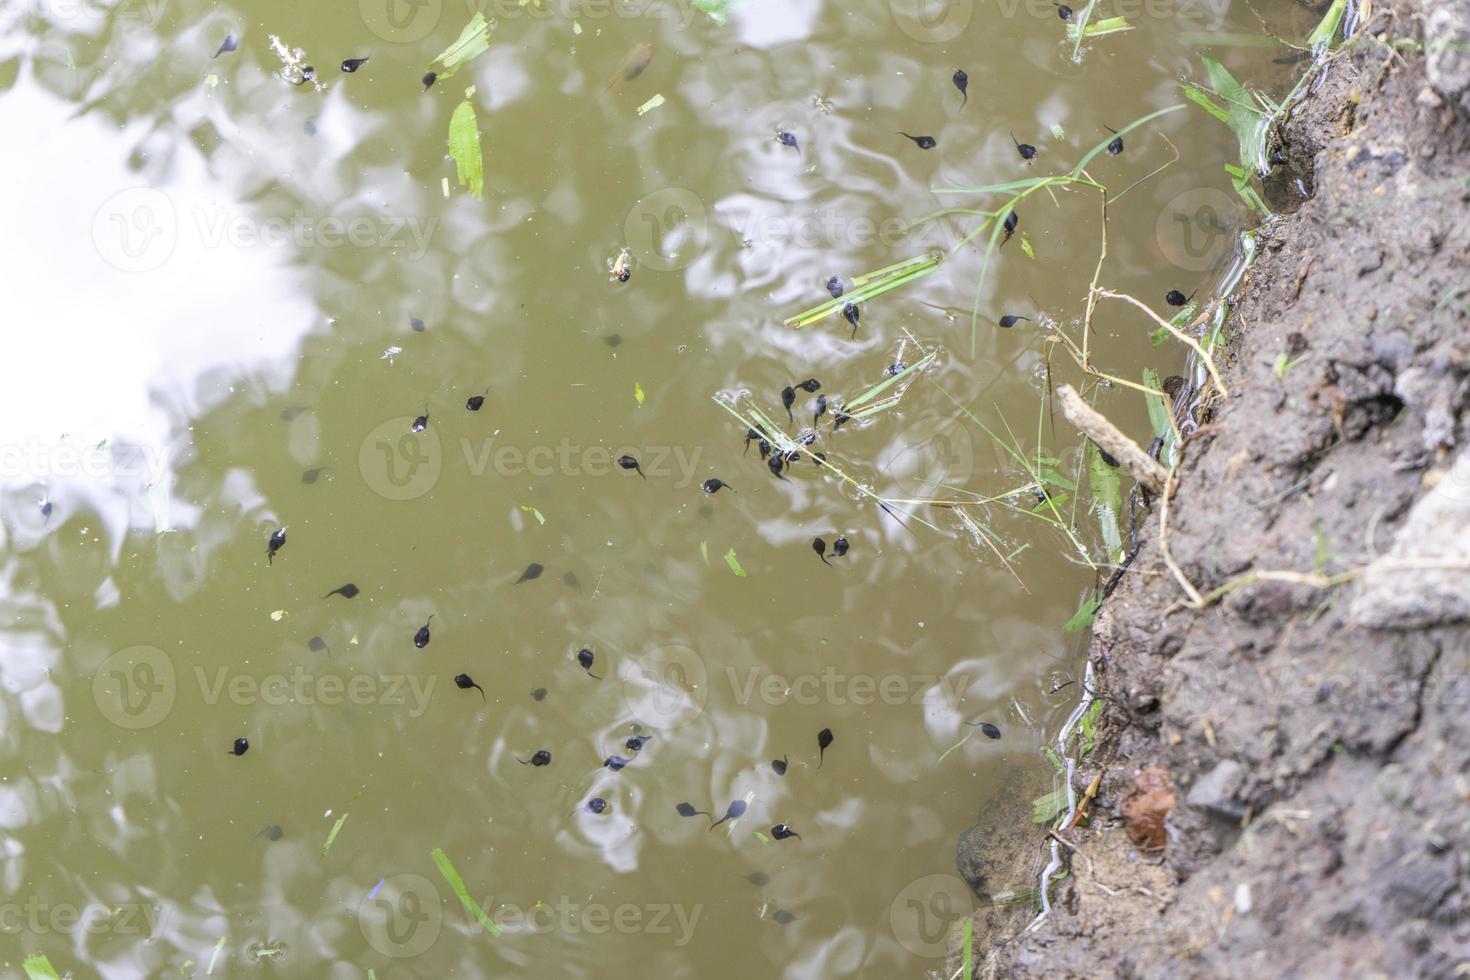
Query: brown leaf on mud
{"points": [[1146, 806]]}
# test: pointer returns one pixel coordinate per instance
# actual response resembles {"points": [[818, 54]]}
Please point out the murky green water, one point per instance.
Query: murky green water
{"points": [[204, 268]]}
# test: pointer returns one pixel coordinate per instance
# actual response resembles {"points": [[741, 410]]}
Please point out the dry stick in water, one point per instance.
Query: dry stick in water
{"points": [[1144, 468]]}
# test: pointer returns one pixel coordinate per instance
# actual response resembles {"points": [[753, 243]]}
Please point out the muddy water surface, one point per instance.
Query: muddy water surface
{"points": [[215, 284]]}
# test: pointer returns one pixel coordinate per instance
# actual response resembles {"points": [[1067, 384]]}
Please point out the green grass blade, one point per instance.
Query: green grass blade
{"points": [[464, 146], [884, 385], [1088, 156], [1326, 29], [332, 835], [446, 868], [474, 40], [38, 967]]}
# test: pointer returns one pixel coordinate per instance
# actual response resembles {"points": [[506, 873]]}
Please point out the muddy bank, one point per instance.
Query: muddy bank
{"points": [[1285, 772]]}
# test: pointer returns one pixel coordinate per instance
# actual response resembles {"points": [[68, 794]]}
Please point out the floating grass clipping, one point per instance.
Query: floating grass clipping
{"points": [[734, 563], [464, 146], [473, 41], [446, 868], [1018, 191], [856, 408], [332, 835], [1108, 25], [873, 284], [38, 967]]}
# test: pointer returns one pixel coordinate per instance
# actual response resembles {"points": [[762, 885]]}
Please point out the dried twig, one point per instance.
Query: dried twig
{"points": [[1144, 468], [1178, 334]]}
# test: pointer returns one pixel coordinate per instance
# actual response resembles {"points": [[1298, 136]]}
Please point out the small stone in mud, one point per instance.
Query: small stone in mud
{"points": [[1148, 804]]}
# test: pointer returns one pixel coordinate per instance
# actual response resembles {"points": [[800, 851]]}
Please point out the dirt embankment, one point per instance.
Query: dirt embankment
{"points": [[1307, 735]]}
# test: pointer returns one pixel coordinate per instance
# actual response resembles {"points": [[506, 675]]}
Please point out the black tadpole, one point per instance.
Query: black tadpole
{"points": [[1027, 151], [922, 142], [629, 463], [820, 547], [749, 435], [1064, 11], [687, 810], [834, 286], [541, 758], [1011, 319], [310, 476], [732, 812], [1011, 221], [635, 743], [464, 683], [474, 402], [596, 805], [1115, 145], [348, 591], [532, 573], [990, 730], [810, 386], [429, 79], [962, 82], [1175, 298], [821, 408], [851, 314], [782, 832], [350, 65], [715, 485], [421, 423], [585, 658], [824, 739], [276, 543], [789, 139], [788, 398], [778, 766], [241, 746], [839, 547], [615, 762], [774, 465], [421, 638], [229, 44]]}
